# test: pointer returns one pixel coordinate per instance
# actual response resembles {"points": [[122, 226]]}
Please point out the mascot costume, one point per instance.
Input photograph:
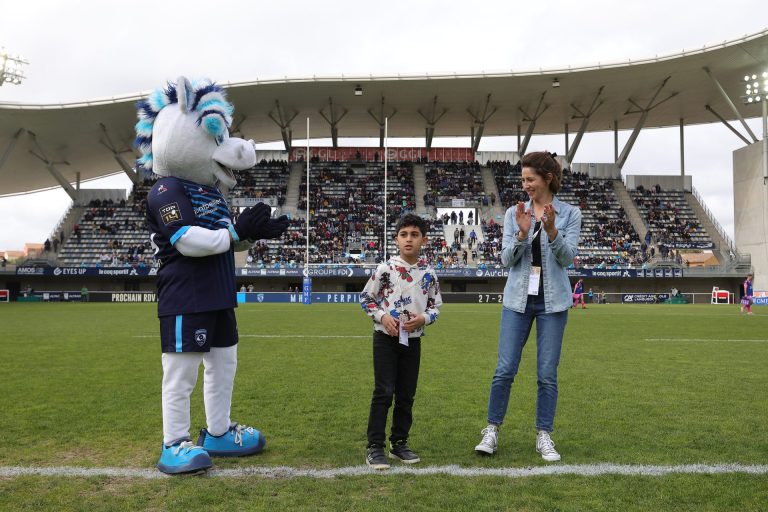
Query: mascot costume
{"points": [[183, 135]]}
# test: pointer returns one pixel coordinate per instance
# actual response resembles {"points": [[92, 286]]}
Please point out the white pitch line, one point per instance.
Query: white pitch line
{"points": [[281, 336], [704, 339], [290, 472]]}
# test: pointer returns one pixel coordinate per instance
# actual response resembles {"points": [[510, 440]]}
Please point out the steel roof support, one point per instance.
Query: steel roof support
{"points": [[479, 121], [107, 143], [682, 154], [51, 166], [431, 120], [380, 119], [532, 123], [727, 124], [730, 104], [333, 120], [566, 138], [284, 122], [571, 152], [10, 146], [643, 111]]}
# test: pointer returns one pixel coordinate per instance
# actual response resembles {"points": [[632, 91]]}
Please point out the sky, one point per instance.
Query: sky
{"points": [[81, 50]]}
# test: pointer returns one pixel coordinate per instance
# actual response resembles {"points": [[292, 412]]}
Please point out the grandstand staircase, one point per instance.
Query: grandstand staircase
{"points": [[721, 245], [489, 184], [419, 188], [448, 230], [72, 216], [290, 207], [630, 208]]}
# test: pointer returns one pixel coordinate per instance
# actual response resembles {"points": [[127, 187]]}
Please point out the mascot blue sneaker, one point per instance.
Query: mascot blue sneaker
{"points": [[238, 441], [183, 457]]}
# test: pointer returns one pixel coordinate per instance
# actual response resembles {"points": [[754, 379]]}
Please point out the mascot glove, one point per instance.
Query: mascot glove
{"points": [[273, 228], [252, 221]]}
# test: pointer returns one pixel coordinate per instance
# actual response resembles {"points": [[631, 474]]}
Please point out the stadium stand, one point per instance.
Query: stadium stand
{"points": [[671, 220], [608, 239], [111, 234], [267, 179], [346, 201], [453, 180]]}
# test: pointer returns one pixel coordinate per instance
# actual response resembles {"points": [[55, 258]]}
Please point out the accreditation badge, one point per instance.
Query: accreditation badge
{"points": [[533, 280]]}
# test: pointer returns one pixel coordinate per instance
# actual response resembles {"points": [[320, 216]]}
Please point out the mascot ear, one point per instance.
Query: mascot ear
{"points": [[183, 92]]}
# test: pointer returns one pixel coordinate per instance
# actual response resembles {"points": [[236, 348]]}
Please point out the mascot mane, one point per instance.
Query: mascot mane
{"points": [[205, 99]]}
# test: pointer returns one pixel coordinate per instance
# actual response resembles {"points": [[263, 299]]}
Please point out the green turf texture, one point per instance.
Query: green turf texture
{"points": [[639, 384]]}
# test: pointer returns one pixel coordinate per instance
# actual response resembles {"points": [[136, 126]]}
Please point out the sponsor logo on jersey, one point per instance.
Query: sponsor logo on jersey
{"points": [[200, 336], [162, 188], [207, 208], [170, 213]]}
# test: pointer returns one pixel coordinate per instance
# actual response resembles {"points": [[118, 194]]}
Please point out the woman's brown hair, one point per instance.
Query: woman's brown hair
{"points": [[544, 164]]}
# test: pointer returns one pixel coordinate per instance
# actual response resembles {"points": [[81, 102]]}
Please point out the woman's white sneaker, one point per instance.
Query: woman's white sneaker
{"points": [[490, 440], [546, 447]]}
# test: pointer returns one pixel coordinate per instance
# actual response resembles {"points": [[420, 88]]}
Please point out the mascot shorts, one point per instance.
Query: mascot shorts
{"points": [[198, 332]]}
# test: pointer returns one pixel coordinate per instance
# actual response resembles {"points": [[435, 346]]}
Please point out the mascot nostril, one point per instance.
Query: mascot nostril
{"points": [[183, 136]]}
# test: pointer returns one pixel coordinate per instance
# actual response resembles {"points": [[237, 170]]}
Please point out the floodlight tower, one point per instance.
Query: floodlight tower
{"points": [[757, 92], [10, 68]]}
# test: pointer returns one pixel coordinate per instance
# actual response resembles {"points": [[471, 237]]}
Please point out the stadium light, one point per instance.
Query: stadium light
{"points": [[756, 91], [10, 68]]}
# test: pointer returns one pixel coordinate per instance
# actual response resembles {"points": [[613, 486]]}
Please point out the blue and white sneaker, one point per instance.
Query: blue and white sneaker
{"points": [[183, 457], [238, 441]]}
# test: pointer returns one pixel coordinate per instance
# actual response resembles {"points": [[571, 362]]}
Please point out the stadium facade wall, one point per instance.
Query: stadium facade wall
{"points": [[665, 181], [750, 209]]}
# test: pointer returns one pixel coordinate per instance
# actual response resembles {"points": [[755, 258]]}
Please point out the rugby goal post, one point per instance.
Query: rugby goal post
{"points": [[5, 296]]}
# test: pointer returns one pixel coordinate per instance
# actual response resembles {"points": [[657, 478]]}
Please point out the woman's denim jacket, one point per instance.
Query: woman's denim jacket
{"points": [[555, 258]]}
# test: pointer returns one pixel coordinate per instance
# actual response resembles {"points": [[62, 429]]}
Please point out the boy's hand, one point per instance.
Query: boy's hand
{"points": [[414, 323], [390, 324]]}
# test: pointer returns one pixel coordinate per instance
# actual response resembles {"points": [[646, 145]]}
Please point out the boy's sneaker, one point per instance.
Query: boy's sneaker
{"points": [[546, 447], [490, 441], [400, 450], [238, 441], [183, 457], [375, 457]]}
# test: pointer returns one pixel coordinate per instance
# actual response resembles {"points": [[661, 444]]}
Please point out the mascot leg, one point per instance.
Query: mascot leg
{"points": [[179, 454], [218, 381], [223, 437]]}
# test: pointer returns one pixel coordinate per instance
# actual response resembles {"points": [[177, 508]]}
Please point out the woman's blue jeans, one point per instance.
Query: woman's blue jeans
{"points": [[515, 329]]}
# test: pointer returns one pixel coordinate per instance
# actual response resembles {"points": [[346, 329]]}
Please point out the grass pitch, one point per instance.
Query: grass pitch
{"points": [[639, 384]]}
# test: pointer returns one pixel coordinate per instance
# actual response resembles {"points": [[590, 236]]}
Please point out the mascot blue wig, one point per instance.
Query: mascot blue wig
{"points": [[183, 135]]}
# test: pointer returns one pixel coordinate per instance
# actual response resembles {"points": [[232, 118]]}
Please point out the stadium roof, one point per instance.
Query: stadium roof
{"points": [[90, 137]]}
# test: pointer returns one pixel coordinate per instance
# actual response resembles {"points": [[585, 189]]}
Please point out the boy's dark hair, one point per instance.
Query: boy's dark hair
{"points": [[409, 219]]}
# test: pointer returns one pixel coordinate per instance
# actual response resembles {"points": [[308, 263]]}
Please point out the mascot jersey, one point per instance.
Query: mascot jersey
{"points": [[189, 284]]}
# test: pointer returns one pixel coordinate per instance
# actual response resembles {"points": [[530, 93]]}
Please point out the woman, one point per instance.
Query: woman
{"points": [[540, 241]]}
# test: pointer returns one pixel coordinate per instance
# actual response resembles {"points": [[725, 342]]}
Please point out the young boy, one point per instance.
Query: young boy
{"points": [[402, 296]]}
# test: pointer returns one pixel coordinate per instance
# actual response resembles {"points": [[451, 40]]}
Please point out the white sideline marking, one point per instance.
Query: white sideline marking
{"points": [[703, 339], [272, 336], [289, 472]]}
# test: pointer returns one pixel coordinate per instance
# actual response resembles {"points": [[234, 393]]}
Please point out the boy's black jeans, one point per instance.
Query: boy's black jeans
{"points": [[395, 373]]}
